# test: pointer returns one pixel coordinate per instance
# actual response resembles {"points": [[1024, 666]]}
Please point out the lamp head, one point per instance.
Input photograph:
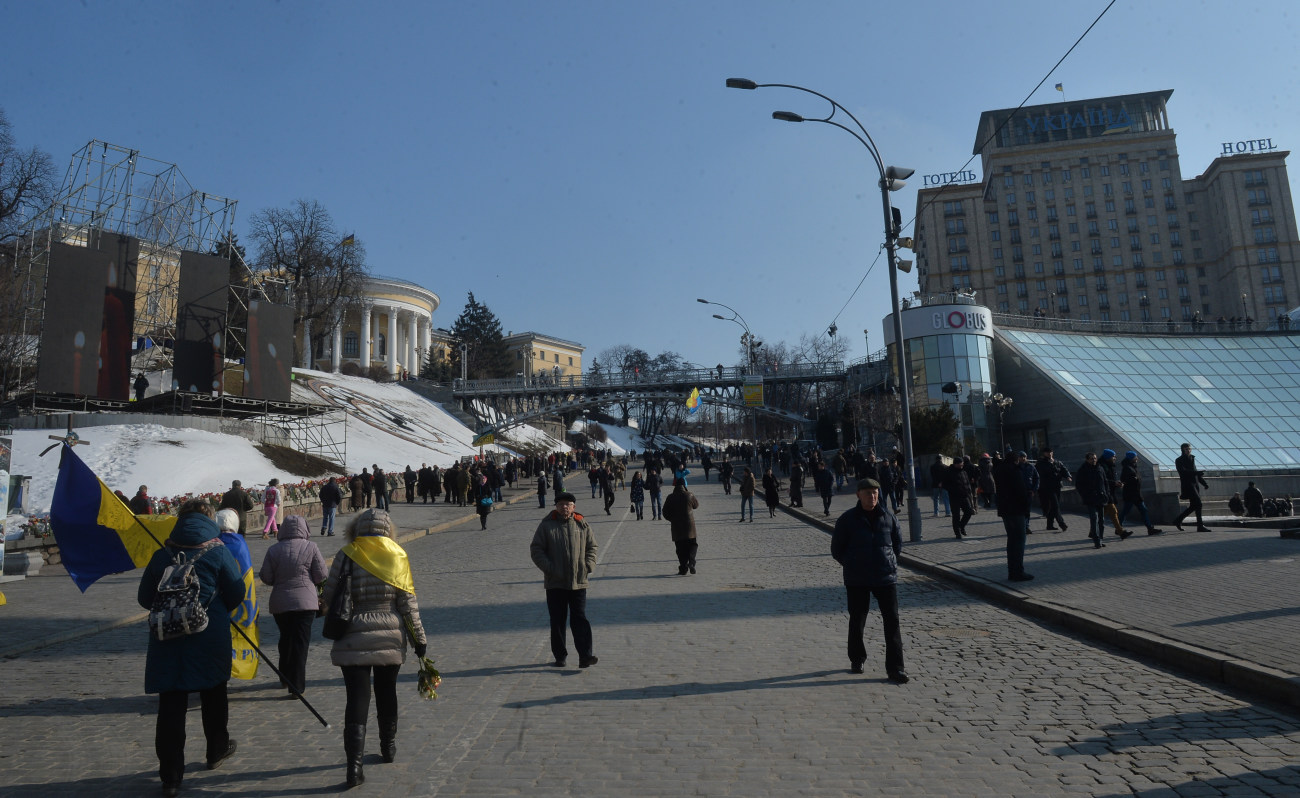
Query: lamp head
{"points": [[702, 301], [898, 172], [719, 316], [787, 116], [741, 83]]}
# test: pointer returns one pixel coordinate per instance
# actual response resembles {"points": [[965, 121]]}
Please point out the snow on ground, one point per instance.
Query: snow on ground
{"points": [[387, 424]]}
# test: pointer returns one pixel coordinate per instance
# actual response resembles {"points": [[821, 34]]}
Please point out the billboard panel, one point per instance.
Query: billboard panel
{"points": [[269, 358], [200, 322], [77, 291]]}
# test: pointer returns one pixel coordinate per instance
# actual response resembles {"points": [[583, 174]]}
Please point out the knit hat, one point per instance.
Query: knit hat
{"points": [[1107, 454], [1130, 455]]}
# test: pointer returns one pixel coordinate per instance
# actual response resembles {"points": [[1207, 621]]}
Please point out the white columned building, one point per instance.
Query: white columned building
{"points": [[369, 333]]}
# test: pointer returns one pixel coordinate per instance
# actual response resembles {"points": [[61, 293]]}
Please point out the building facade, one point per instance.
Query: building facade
{"points": [[1083, 213], [538, 355]]}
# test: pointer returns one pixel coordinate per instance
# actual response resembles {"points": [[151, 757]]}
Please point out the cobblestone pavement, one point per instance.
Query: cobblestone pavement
{"points": [[730, 682]]}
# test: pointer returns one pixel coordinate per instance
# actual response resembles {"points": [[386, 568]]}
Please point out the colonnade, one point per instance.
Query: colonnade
{"points": [[406, 339]]}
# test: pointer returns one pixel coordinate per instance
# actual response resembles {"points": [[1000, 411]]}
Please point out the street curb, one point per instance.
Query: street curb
{"points": [[1252, 677]]}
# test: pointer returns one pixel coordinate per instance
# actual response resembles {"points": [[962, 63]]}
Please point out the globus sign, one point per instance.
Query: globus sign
{"points": [[922, 321]]}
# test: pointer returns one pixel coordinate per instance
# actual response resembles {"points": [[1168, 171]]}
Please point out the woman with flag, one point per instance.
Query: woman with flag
{"points": [[384, 614]]}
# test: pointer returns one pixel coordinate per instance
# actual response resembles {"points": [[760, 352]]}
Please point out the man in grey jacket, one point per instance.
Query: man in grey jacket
{"points": [[564, 549]]}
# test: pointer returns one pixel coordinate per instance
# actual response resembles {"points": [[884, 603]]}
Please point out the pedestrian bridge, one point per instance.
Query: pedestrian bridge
{"points": [[789, 392]]}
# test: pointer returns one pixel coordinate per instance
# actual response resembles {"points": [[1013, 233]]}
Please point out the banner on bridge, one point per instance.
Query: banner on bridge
{"points": [[753, 391]]}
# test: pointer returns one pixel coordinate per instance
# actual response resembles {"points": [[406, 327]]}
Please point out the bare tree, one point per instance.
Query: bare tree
{"points": [[321, 272], [27, 180]]}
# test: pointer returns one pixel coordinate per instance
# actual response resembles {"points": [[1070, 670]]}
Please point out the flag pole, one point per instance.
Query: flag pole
{"points": [[247, 639]]}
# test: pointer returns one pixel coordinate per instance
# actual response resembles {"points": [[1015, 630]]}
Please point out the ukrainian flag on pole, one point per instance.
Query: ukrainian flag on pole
{"points": [[98, 535]]}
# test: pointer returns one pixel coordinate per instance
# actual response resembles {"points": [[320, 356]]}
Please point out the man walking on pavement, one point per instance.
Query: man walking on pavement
{"points": [[237, 499], [1013, 507], [824, 481], [330, 499], [1190, 483], [1131, 480], [866, 543], [1113, 485], [564, 550], [679, 509]]}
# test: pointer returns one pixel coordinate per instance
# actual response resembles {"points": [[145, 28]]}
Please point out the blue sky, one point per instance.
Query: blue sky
{"points": [[580, 167]]}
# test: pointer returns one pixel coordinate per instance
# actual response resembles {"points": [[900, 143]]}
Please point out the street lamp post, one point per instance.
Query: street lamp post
{"points": [[891, 179], [1001, 404], [751, 345]]}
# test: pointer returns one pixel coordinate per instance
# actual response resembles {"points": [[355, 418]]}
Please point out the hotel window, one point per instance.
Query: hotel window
{"points": [[999, 271], [1065, 176], [1267, 255], [1083, 300], [1105, 170], [993, 217], [997, 253], [995, 235], [1110, 206], [1011, 198], [1085, 173], [1146, 184], [1127, 187], [1008, 182], [1031, 214], [1155, 238], [1123, 169], [1029, 179], [1271, 274], [1166, 183], [1107, 190], [1144, 167], [1029, 197], [1257, 196], [351, 344]]}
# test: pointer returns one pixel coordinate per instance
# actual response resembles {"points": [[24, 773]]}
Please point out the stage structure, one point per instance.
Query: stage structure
{"points": [[130, 270], [113, 191]]}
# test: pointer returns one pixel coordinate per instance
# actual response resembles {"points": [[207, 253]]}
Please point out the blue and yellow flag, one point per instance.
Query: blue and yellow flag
{"points": [[384, 558], [693, 401], [243, 653], [97, 534]]}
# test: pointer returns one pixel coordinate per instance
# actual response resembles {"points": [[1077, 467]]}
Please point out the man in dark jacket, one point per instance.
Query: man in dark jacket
{"points": [[1253, 498], [1107, 465], [1091, 485], [824, 481], [193, 663], [237, 499], [679, 510], [866, 543], [957, 482], [1131, 481], [1052, 473], [1014, 496], [564, 550], [1190, 483], [380, 482], [937, 492], [330, 499], [410, 477], [140, 503]]}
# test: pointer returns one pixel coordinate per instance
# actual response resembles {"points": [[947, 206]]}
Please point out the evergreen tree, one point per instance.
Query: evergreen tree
{"points": [[479, 330]]}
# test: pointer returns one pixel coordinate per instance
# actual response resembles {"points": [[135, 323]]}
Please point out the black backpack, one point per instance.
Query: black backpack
{"points": [[176, 610]]}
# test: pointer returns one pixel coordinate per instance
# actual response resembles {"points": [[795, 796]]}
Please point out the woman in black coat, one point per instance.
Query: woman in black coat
{"points": [[772, 489]]}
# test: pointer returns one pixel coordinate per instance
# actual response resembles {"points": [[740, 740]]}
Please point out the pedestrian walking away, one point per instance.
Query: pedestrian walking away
{"points": [[564, 550], [380, 481], [198, 662], [483, 501], [679, 509], [237, 499], [937, 491], [271, 507], [385, 614], [772, 494], [1107, 465], [293, 567], [1131, 480], [867, 542], [638, 495]]}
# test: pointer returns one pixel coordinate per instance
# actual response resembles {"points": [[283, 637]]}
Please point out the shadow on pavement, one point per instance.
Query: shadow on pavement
{"points": [[813, 679], [1279, 781]]}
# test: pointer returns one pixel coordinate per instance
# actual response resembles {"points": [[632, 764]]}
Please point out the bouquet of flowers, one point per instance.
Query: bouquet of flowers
{"points": [[429, 676], [429, 679]]}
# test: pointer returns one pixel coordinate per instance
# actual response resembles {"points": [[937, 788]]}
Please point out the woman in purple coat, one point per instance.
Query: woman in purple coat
{"points": [[293, 568]]}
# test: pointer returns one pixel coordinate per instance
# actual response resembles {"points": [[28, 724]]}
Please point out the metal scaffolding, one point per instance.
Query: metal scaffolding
{"points": [[113, 189]]}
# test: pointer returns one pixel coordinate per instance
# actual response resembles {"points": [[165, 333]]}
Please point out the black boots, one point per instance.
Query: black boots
{"points": [[388, 739], [354, 745]]}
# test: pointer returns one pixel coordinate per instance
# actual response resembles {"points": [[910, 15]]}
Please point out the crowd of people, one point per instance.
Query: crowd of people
{"points": [[866, 542]]}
